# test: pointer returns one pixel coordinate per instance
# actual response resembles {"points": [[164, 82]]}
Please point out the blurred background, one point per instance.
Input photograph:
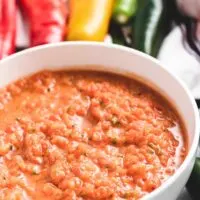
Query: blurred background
{"points": [[166, 29]]}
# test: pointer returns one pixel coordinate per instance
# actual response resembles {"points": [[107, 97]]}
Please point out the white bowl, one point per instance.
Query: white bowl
{"points": [[120, 60]]}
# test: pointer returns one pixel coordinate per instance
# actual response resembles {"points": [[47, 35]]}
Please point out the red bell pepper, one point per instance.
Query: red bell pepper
{"points": [[8, 13], [47, 20]]}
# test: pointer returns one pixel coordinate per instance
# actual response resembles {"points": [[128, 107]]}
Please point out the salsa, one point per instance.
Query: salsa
{"points": [[74, 135]]}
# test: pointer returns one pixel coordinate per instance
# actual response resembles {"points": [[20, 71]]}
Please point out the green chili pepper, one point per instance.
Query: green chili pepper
{"points": [[193, 185], [116, 34], [119, 35], [152, 24], [124, 10]]}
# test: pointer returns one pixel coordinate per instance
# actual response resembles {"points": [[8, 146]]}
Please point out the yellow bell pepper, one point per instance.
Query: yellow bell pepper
{"points": [[89, 19]]}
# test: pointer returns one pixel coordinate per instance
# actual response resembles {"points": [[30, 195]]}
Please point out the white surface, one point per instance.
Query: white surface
{"points": [[179, 62], [22, 31], [184, 195], [120, 60]]}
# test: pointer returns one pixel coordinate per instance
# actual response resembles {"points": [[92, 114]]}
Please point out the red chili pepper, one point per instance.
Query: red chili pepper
{"points": [[8, 12], [47, 19]]}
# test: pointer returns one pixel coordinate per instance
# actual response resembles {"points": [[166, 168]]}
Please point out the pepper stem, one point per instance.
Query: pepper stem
{"points": [[122, 18]]}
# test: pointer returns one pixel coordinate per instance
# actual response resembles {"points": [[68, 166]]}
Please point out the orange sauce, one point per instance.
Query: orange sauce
{"points": [[85, 135]]}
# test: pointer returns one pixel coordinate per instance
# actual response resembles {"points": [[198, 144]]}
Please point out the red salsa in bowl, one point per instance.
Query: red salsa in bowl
{"points": [[86, 135]]}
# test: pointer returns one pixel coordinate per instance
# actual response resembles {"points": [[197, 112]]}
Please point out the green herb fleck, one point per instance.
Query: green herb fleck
{"points": [[128, 195], [90, 138], [85, 154], [73, 125], [111, 196], [17, 119], [126, 143], [107, 166], [155, 148], [151, 151], [102, 104], [69, 108], [83, 195], [35, 172], [115, 121], [11, 147], [32, 130], [114, 141]]}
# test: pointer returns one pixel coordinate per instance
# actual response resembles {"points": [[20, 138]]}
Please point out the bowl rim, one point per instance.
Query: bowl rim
{"points": [[195, 142]]}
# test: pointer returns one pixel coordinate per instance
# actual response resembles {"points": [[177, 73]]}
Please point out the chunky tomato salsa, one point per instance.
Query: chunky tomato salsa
{"points": [[85, 135]]}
